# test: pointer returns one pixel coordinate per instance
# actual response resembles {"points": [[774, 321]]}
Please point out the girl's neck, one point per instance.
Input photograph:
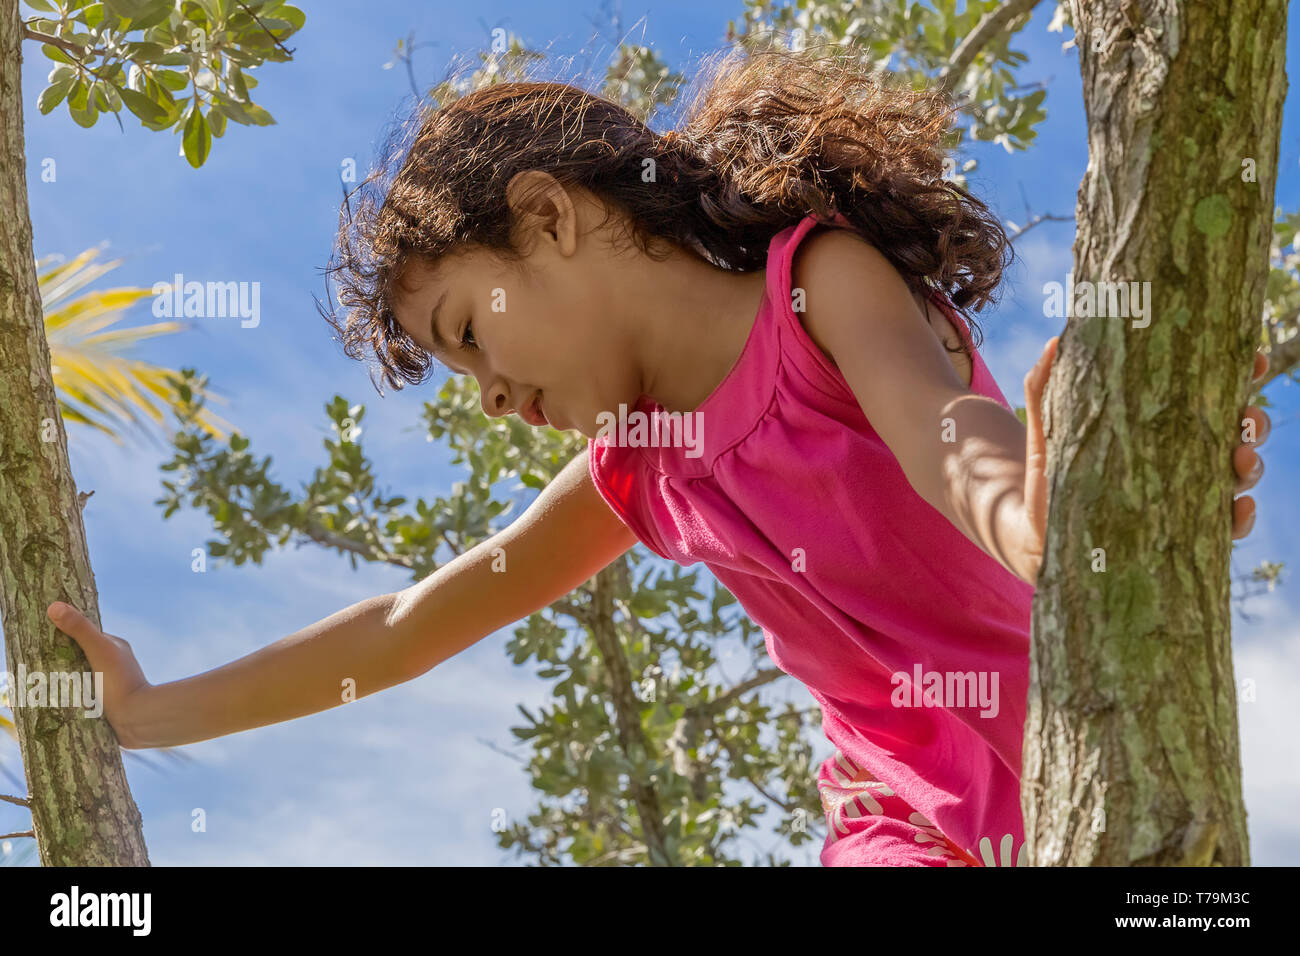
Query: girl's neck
{"points": [[703, 318]]}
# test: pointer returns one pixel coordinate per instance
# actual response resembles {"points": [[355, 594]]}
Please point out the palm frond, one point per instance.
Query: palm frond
{"points": [[97, 386], [108, 302]]}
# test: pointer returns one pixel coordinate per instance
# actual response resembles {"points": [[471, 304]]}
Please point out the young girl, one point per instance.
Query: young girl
{"points": [[793, 284]]}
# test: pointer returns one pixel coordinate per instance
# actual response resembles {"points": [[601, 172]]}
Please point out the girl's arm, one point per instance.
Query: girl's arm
{"points": [[861, 313], [965, 454], [567, 535]]}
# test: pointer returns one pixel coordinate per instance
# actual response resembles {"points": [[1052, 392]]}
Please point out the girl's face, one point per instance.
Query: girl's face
{"points": [[552, 327]]}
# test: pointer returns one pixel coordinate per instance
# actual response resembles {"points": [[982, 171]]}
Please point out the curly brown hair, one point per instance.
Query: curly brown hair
{"points": [[773, 136]]}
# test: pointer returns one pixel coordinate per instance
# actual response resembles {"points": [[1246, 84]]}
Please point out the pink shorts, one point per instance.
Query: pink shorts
{"points": [[869, 825]]}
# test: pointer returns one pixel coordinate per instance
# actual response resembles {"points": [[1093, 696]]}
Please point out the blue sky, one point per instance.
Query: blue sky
{"points": [[409, 776]]}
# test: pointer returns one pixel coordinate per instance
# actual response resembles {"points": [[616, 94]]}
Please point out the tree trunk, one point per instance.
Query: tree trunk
{"points": [[1131, 747], [82, 810]]}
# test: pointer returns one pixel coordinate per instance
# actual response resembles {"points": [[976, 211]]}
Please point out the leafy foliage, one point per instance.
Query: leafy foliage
{"points": [[916, 41], [1281, 331], [142, 54], [96, 383]]}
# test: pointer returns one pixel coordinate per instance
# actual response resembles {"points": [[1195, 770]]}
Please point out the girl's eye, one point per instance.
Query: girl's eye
{"points": [[467, 340]]}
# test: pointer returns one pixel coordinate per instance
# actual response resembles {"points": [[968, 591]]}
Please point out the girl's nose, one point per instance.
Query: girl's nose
{"points": [[496, 400]]}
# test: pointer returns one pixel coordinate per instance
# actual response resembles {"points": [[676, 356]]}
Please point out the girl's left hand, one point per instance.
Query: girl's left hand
{"points": [[1246, 463]]}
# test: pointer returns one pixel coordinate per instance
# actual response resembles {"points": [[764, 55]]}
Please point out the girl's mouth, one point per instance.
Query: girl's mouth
{"points": [[532, 412]]}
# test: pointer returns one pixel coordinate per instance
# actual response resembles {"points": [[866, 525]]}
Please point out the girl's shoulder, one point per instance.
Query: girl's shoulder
{"points": [[839, 265]]}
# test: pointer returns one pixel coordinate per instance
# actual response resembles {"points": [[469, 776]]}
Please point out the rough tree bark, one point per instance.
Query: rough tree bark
{"points": [[82, 810], [1131, 746]]}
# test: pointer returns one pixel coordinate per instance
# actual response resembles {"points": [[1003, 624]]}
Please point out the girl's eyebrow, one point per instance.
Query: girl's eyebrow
{"points": [[441, 347]]}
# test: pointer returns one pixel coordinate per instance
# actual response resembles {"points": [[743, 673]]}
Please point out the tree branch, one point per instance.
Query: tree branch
{"points": [[724, 700], [627, 713], [1043, 217], [989, 26], [287, 51], [80, 52], [314, 532]]}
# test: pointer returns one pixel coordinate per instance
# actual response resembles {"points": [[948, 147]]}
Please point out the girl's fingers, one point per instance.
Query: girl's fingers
{"points": [[1249, 467], [71, 621], [1263, 424], [77, 626], [1261, 366], [1243, 516], [1035, 382], [1035, 445]]}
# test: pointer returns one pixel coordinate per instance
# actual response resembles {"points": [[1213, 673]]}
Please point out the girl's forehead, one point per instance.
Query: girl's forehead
{"points": [[423, 278], [447, 268], [412, 295]]}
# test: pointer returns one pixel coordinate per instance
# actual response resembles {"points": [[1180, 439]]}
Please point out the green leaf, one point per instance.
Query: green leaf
{"points": [[295, 16], [242, 57], [158, 11], [160, 95], [273, 25], [216, 121], [93, 15], [172, 79], [231, 111], [143, 52], [211, 8], [198, 138], [58, 73], [54, 53], [53, 94], [86, 117], [42, 5], [83, 40], [247, 114], [78, 95], [259, 116], [150, 113], [235, 82], [135, 9]]}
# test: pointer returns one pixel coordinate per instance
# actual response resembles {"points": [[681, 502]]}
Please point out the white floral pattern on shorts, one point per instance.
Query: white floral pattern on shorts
{"points": [[850, 792]]}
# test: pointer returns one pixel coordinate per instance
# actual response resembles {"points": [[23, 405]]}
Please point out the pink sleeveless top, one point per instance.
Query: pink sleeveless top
{"points": [[864, 592]]}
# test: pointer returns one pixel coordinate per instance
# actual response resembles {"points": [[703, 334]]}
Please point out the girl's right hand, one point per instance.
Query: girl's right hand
{"points": [[111, 656], [1031, 552]]}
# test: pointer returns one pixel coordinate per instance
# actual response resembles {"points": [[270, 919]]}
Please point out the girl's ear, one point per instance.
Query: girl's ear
{"points": [[531, 192], [543, 208]]}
